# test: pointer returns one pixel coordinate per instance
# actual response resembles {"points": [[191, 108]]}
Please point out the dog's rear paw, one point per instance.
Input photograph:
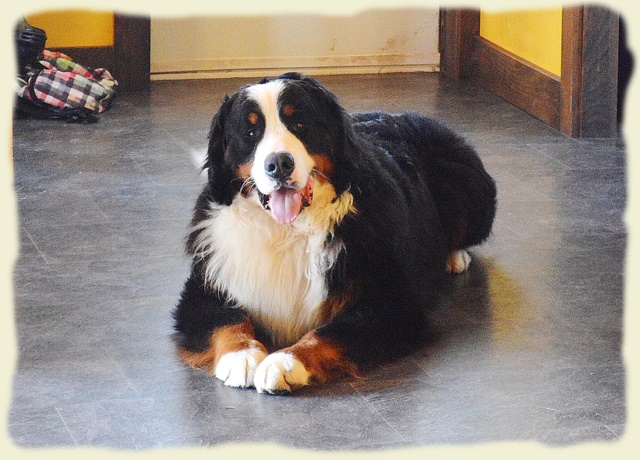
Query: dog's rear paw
{"points": [[280, 373], [237, 368], [458, 261]]}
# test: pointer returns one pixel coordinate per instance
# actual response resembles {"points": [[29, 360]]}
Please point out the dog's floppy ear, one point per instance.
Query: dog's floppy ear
{"points": [[347, 154], [219, 173]]}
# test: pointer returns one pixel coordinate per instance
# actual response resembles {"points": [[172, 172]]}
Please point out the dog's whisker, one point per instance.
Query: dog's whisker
{"points": [[316, 172], [247, 186], [235, 179]]}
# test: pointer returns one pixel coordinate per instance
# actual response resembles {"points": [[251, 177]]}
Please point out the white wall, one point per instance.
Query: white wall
{"points": [[371, 41]]}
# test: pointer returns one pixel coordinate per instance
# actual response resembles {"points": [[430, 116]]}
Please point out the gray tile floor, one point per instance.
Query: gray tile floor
{"points": [[530, 347]]}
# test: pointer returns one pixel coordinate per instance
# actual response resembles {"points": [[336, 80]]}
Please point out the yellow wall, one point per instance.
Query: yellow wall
{"points": [[75, 28], [534, 35]]}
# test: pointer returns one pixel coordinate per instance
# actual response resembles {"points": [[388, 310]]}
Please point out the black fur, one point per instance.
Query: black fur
{"points": [[420, 191]]}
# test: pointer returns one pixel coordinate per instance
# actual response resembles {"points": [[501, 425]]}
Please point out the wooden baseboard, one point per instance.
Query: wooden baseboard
{"points": [[310, 65], [308, 71], [525, 85]]}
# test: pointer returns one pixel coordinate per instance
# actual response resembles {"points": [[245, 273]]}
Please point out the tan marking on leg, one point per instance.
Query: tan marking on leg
{"points": [[322, 358], [202, 359], [335, 303], [225, 339]]}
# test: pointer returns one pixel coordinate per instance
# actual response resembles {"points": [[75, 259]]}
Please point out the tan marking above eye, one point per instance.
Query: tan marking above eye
{"points": [[289, 109], [253, 118]]}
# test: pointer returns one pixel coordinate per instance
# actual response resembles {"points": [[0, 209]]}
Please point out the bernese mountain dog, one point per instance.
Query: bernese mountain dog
{"points": [[321, 238]]}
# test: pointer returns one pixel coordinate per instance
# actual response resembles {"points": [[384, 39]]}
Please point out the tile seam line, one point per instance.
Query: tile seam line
{"points": [[380, 415], [46, 261], [75, 442]]}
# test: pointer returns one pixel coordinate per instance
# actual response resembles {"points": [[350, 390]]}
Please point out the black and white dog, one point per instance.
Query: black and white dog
{"points": [[321, 237]]}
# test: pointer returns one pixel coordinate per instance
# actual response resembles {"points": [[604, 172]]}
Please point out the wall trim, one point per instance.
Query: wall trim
{"points": [[132, 52], [311, 65], [522, 83]]}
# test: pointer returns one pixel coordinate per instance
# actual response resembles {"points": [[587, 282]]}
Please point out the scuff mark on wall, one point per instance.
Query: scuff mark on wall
{"points": [[393, 39]]}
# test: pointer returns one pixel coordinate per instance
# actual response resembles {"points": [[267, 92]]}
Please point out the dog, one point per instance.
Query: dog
{"points": [[321, 237]]}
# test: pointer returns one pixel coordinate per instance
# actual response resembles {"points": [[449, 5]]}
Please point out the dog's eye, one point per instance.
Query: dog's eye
{"points": [[297, 127], [251, 133]]}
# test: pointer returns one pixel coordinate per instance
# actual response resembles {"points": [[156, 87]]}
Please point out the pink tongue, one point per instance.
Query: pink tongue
{"points": [[285, 205]]}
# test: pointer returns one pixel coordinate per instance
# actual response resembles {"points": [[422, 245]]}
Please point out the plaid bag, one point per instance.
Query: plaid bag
{"points": [[62, 88]]}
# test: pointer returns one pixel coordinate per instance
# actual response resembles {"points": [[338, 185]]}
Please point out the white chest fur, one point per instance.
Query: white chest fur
{"points": [[277, 273]]}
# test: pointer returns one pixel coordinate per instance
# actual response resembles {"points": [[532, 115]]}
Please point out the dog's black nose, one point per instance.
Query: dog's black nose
{"points": [[279, 166]]}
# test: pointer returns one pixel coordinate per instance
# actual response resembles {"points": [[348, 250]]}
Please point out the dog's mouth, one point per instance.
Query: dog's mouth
{"points": [[286, 203]]}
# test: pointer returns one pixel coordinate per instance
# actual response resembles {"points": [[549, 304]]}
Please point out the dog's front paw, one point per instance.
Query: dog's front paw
{"points": [[458, 261], [237, 368], [280, 373]]}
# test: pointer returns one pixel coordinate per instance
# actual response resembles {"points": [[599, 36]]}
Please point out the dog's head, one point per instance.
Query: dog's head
{"points": [[275, 139]]}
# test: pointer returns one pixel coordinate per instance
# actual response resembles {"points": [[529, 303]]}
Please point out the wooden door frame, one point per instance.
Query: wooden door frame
{"points": [[132, 51], [580, 103]]}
